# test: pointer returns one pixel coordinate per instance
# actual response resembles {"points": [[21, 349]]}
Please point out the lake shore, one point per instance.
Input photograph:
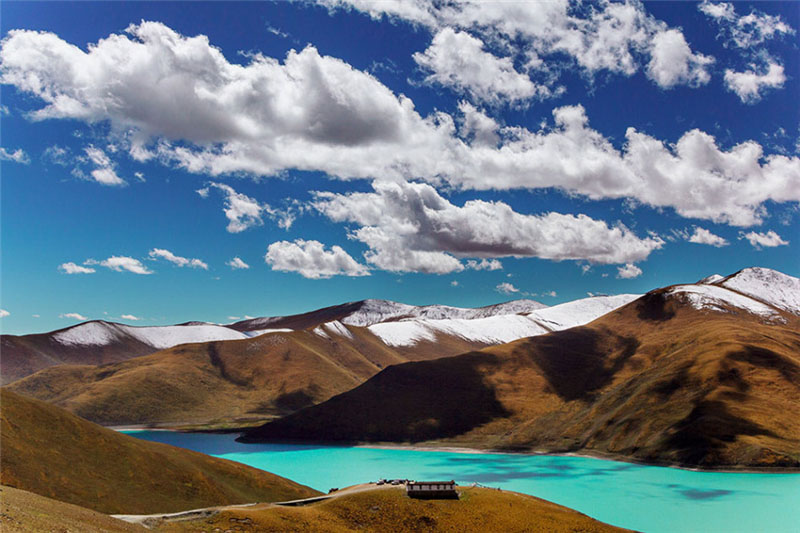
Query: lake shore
{"points": [[489, 451]]}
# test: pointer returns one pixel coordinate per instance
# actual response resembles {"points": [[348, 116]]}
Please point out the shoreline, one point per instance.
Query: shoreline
{"points": [[494, 451]]}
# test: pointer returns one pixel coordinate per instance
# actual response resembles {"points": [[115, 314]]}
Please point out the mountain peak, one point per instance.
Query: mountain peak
{"points": [[770, 286]]}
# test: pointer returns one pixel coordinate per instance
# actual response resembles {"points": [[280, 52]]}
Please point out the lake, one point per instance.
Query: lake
{"points": [[646, 498]]}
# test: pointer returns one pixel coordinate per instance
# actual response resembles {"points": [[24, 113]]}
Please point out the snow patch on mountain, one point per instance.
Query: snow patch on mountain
{"points": [[89, 334], [159, 337], [333, 328], [713, 278], [720, 299], [496, 329], [259, 332], [767, 285], [378, 311], [579, 312]]}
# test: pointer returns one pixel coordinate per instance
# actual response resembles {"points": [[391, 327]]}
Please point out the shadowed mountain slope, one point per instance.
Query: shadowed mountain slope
{"points": [[682, 375], [53, 453]]}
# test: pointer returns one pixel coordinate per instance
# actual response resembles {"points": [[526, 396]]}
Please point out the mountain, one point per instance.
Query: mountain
{"points": [[700, 375], [98, 342], [239, 381], [55, 454]]}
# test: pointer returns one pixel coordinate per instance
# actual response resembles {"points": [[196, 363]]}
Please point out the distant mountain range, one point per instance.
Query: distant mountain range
{"points": [[704, 374]]}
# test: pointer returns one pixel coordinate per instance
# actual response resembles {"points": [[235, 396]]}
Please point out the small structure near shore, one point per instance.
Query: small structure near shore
{"points": [[432, 490]]}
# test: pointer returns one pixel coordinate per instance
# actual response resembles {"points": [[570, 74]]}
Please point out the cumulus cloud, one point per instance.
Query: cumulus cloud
{"points": [[120, 264], [506, 288], [313, 112], [703, 236], [410, 227], [769, 239], [17, 156], [311, 260], [744, 31], [628, 271], [75, 316], [606, 36], [458, 60], [750, 85], [673, 62], [4, 313], [484, 264], [454, 283], [159, 253], [72, 268], [104, 172], [130, 317], [244, 212], [237, 264]]}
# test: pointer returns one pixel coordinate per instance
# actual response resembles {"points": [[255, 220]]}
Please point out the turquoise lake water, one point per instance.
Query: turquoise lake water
{"points": [[645, 498]]}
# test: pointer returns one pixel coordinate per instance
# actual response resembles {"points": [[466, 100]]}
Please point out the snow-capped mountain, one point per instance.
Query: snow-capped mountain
{"points": [[770, 286], [98, 333], [501, 328]]}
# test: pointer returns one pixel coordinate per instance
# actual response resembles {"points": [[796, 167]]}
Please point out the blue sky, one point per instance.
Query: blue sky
{"points": [[464, 154]]}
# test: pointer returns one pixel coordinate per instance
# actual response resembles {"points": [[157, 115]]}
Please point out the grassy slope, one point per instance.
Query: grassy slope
{"points": [[225, 381], [655, 380], [53, 453], [22, 512], [391, 510]]}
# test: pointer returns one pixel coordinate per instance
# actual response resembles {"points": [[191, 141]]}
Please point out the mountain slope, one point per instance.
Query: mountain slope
{"points": [[98, 342], [240, 381], [664, 378], [389, 509], [53, 453]]}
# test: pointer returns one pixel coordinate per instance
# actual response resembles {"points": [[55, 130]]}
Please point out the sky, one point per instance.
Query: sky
{"points": [[212, 161]]}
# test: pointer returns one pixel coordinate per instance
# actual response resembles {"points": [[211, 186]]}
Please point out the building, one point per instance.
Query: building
{"points": [[442, 490]]}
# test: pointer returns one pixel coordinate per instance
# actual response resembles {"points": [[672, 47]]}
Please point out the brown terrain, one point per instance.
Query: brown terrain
{"points": [[656, 380], [55, 454], [226, 382]]}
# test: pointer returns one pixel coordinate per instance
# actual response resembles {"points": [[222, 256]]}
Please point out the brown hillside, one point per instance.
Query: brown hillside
{"points": [[656, 380], [23, 355], [53, 453], [23, 512], [225, 381], [389, 509]]}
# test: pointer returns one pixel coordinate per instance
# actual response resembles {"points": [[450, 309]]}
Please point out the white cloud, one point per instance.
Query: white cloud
{"points": [[17, 156], [703, 236], [410, 227], [237, 264], [36, 316], [458, 60], [104, 172], [750, 85], [770, 239], [139, 176], [72, 268], [454, 283], [130, 317], [552, 294], [607, 36], [484, 264], [506, 288], [244, 212], [311, 260], [745, 31], [313, 112], [60, 155], [628, 271], [75, 316], [4, 110], [157, 253], [121, 263], [673, 63], [4, 313]]}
